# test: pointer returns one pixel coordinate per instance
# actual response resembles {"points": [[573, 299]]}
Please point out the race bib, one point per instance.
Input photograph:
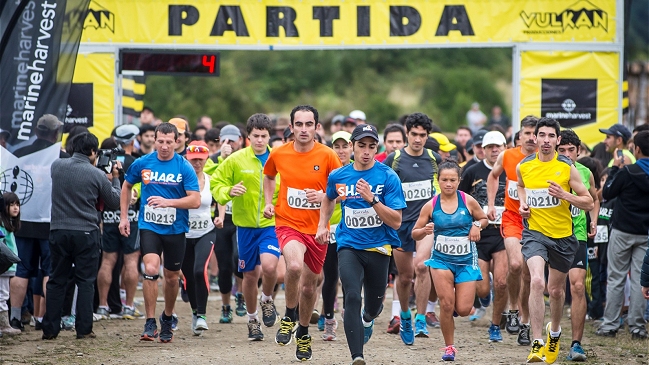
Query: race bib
{"points": [[602, 234], [164, 216], [541, 198], [228, 208], [296, 198], [362, 218], [499, 214], [455, 246], [512, 189], [418, 190], [332, 234], [200, 221], [574, 211]]}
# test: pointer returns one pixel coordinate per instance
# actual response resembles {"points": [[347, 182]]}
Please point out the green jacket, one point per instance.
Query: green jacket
{"points": [[247, 209]]}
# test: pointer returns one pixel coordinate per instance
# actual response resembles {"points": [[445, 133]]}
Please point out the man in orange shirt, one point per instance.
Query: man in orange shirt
{"points": [[304, 167], [512, 228]]}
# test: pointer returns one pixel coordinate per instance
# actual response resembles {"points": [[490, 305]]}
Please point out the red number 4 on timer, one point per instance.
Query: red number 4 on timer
{"points": [[208, 61]]}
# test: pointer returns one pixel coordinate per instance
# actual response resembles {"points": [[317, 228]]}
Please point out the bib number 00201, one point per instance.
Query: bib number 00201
{"points": [[455, 246]]}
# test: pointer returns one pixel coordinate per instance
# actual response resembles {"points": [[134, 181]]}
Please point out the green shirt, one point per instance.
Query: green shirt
{"points": [[579, 216]]}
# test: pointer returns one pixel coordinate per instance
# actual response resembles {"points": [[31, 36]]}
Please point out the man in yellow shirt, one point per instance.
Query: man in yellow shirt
{"points": [[545, 181]]}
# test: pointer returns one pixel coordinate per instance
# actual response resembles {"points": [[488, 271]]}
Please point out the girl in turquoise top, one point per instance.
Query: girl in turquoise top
{"points": [[456, 220], [9, 223]]}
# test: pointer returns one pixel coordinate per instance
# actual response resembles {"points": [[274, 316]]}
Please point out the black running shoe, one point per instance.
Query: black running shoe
{"points": [[150, 330], [166, 333], [303, 352], [254, 331], [285, 332], [513, 325]]}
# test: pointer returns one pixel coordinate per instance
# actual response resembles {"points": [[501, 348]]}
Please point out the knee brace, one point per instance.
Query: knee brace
{"points": [[150, 277]]}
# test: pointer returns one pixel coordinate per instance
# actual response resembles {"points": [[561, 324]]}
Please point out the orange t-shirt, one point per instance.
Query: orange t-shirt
{"points": [[511, 159], [300, 171]]}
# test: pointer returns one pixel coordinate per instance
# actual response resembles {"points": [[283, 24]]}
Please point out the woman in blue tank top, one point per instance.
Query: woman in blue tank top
{"points": [[456, 220]]}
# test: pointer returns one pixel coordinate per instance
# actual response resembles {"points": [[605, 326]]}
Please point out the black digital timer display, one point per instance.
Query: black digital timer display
{"points": [[180, 63]]}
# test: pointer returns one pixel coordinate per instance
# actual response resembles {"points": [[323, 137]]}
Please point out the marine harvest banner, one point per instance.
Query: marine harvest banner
{"points": [[37, 65], [333, 23]]}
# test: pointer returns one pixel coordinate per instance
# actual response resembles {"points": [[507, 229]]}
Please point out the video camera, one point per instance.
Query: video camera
{"points": [[106, 158]]}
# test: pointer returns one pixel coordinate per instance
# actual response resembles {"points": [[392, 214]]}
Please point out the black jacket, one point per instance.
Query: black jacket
{"points": [[644, 274], [630, 185]]}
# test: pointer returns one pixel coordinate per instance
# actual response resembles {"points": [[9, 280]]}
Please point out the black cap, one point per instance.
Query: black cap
{"points": [[432, 144], [478, 136], [468, 146], [617, 130], [287, 133], [365, 130]]}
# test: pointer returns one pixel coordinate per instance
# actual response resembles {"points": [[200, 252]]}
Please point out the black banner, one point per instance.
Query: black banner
{"points": [[79, 110], [572, 102], [37, 64]]}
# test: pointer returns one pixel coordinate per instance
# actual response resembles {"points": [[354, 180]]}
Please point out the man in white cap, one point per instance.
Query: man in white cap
{"points": [[359, 115]]}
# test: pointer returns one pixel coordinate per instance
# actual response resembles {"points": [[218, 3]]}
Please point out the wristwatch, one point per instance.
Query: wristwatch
{"points": [[477, 224], [374, 201]]}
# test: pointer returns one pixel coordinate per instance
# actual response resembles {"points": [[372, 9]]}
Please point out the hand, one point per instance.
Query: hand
{"points": [[524, 210], [124, 227], [645, 292], [322, 236], [238, 190], [269, 211], [363, 189], [218, 222], [158, 202], [593, 230], [117, 167], [491, 213], [314, 196], [555, 190], [226, 149], [618, 161], [474, 234], [134, 197], [429, 228]]}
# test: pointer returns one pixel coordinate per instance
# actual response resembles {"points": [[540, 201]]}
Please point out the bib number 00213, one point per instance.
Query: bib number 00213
{"points": [[164, 216]]}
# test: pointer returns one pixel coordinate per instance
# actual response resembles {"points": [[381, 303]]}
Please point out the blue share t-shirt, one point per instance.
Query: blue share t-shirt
{"points": [[168, 179], [360, 227]]}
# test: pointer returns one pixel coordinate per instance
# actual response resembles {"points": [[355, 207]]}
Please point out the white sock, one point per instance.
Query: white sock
{"points": [[265, 298], [253, 317], [540, 341], [555, 334], [366, 324], [105, 307], [430, 307], [396, 308]]}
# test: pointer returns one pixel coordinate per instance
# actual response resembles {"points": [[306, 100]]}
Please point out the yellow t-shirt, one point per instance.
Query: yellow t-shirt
{"points": [[548, 215]]}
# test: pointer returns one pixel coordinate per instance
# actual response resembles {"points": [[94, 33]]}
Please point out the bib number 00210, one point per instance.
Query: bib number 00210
{"points": [[541, 198]]}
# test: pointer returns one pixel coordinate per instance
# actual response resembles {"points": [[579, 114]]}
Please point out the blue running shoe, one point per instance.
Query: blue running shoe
{"points": [[576, 353], [487, 300], [321, 323], [166, 334], [405, 331], [494, 333], [449, 353], [367, 331], [420, 328]]}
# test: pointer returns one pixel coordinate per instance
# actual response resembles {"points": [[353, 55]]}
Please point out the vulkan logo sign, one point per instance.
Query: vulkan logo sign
{"points": [[99, 17], [578, 15]]}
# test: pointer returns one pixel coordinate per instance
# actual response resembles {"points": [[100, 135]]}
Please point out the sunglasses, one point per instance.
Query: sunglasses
{"points": [[197, 149]]}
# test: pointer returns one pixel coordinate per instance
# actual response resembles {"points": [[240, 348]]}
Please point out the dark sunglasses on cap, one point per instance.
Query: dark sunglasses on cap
{"points": [[197, 149]]}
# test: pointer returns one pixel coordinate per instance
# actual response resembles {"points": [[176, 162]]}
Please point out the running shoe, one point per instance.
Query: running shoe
{"points": [[254, 331], [174, 322], [639, 334], [38, 325], [67, 323], [487, 300], [431, 320], [478, 314], [303, 352], [268, 313], [285, 332], [330, 326], [523, 338], [241, 305], [118, 315], [358, 361], [166, 332], [552, 345], [536, 354], [201, 323], [494, 333], [576, 353], [513, 325], [183, 293], [405, 331], [150, 330], [102, 313], [420, 328], [321, 323], [128, 313], [315, 315], [226, 314], [367, 331], [449, 353], [393, 326], [605, 333], [194, 319]]}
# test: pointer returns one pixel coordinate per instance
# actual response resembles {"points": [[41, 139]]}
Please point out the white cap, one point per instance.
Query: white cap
{"points": [[494, 137], [357, 114]]}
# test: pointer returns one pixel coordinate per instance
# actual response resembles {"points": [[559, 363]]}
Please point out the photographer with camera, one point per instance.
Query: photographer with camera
{"points": [[113, 243], [78, 190]]}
